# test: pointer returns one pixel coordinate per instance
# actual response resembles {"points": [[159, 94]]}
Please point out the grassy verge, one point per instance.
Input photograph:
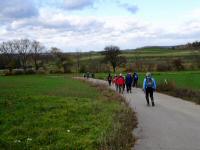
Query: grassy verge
{"points": [[119, 136], [56, 112]]}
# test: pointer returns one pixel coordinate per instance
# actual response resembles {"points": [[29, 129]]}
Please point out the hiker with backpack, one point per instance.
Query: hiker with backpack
{"points": [[135, 79], [129, 81], [109, 78], [121, 83], [115, 82], [149, 86]]}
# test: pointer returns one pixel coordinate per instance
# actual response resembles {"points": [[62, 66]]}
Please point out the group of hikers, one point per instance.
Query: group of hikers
{"points": [[121, 82], [89, 75], [131, 80]]}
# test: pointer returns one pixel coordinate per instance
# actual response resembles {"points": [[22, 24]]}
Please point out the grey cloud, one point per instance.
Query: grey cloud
{"points": [[131, 8], [16, 9], [66, 25], [77, 4]]}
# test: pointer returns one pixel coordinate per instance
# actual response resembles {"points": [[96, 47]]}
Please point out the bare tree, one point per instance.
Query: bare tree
{"points": [[78, 56], [62, 60], [36, 49], [7, 49], [56, 52], [111, 54], [23, 48]]}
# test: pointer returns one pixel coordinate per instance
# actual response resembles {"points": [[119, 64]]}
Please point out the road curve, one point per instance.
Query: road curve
{"points": [[173, 124]]}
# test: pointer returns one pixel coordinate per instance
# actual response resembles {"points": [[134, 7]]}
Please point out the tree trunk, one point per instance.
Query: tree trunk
{"points": [[36, 65], [114, 69]]}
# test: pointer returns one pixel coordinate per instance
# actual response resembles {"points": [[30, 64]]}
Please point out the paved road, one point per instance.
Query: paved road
{"points": [[173, 124]]}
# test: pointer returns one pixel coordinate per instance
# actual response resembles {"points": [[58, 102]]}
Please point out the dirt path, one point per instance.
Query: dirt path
{"points": [[173, 124]]}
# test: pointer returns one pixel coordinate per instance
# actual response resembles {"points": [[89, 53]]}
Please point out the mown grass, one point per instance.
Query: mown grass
{"points": [[54, 112]]}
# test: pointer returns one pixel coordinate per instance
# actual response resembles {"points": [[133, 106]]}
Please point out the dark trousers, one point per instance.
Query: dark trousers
{"points": [[135, 83], [109, 82], [121, 88], [149, 92], [128, 87]]}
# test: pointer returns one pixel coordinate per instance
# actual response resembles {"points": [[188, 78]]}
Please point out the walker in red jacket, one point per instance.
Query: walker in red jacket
{"points": [[121, 83], [115, 82]]}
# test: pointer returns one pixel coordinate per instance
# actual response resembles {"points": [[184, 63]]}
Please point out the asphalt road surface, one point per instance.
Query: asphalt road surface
{"points": [[173, 124]]}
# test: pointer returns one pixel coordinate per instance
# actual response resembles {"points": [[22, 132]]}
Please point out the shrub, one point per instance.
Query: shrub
{"points": [[166, 86], [41, 71], [6, 72], [164, 67], [55, 71], [178, 64], [1, 72], [82, 69], [30, 71], [129, 68], [18, 71], [171, 89]]}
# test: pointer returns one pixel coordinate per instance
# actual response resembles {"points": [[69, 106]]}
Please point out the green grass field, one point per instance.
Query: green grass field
{"points": [[183, 79], [148, 53], [190, 80], [53, 112]]}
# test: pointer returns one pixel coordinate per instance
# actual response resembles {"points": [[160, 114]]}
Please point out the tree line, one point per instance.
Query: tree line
{"points": [[31, 54], [16, 53], [193, 46]]}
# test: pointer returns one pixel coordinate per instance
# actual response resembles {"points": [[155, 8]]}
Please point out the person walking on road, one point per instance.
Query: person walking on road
{"points": [[121, 83], [109, 78], [115, 82], [135, 79], [129, 81], [149, 86]]}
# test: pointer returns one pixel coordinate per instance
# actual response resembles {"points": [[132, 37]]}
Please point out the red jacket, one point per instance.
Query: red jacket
{"points": [[120, 81], [115, 80]]}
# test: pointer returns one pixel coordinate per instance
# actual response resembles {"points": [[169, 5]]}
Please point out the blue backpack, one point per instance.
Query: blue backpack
{"points": [[149, 82], [129, 78], [135, 77]]}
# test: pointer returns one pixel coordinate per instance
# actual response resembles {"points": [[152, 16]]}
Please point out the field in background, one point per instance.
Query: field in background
{"points": [[143, 59], [57, 112]]}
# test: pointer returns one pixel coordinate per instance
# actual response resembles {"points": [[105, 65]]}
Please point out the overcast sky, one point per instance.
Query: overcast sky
{"points": [[87, 25]]}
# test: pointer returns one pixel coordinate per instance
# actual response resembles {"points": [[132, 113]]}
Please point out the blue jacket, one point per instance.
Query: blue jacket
{"points": [[145, 83], [129, 79]]}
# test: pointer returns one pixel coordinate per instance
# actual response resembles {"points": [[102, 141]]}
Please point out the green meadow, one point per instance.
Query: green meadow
{"points": [[54, 112]]}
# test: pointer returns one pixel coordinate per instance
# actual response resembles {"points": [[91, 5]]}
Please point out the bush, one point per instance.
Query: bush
{"points": [[55, 71], [166, 86], [178, 64], [30, 71], [171, 89], [6, 72], [41, 71], [1, 72], [164, 67], [18, 71], [82, 69]]}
